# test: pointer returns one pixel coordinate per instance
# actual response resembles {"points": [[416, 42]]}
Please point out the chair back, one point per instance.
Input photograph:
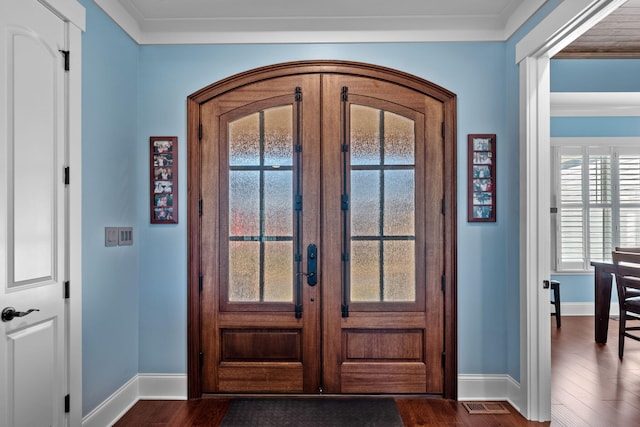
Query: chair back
{"points": [[628, 256], [627, 272]]}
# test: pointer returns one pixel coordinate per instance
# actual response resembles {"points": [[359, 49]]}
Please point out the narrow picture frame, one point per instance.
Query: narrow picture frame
{"points": [[163, 172], [481, 189]]}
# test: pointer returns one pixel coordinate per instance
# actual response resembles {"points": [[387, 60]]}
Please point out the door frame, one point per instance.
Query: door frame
{"points": [[449, 101], [562, 26]]}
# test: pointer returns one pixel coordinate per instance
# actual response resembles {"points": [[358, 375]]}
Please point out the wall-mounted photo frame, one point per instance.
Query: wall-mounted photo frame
{"points": [[481, 189], [164, 179]]}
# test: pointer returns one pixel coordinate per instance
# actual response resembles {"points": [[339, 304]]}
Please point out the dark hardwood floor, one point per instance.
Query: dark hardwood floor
{"points": [[590, 387]]}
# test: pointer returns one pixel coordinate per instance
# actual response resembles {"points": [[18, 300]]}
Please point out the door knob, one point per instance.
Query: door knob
{"points": [[8, 313]]}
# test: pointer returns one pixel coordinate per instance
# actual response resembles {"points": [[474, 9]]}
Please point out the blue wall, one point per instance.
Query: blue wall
{"points": [[109, 196], [135, 297], [595, 75], [181, 70]]}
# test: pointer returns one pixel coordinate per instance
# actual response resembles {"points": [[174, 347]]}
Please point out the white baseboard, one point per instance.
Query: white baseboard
{"points": [[489, 387], [174, 387], [584, 308], [141, 386]]}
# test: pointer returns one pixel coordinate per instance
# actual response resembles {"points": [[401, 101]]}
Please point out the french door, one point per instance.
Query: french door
{"points": [[321, 243]]}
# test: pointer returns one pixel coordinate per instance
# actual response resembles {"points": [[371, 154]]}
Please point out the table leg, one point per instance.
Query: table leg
{"points": [[602, 304]]}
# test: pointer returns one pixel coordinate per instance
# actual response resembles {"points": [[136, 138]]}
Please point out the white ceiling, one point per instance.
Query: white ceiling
{"points": [[305, 21]]}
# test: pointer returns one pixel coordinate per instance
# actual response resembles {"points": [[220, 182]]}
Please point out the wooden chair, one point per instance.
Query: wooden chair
{"points": [[555, 288], [627, 276]]}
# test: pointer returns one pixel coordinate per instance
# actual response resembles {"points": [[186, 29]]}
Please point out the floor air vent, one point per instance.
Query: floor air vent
{"points": [[485, 408]]}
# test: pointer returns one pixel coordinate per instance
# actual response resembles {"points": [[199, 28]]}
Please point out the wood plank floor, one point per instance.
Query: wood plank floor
{"points": [[590, 388]]}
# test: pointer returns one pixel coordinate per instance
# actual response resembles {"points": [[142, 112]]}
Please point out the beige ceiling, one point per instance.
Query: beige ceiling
{"points": [[616, 36]]}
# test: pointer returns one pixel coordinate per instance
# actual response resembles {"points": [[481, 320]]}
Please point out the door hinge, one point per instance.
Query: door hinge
{"points": [[200, 131], [66, 175], [298, 206], [345, 93], [201, 359], [443, 284], [444, 129], [200, 207], [298, 94], [444, 206], [345, 202], [67, 404], [345, 310], [67, 291], [65, 54], [200, 281], [443, 359]]}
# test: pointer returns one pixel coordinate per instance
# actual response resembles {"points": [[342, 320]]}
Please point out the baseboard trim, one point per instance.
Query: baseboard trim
{"points": [[141, 386], [489, 387], [174, 387], [584, 309]]}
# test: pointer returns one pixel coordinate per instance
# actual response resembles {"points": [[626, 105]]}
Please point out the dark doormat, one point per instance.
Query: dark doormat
{"points": [[313, 412]]}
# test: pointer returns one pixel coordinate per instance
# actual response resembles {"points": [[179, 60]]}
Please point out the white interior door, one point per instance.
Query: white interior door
{"points": [[33, 266]]}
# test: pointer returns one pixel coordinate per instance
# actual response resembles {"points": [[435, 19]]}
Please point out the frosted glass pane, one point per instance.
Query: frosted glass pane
{"points": [[244, 203], [278, 271], [399, 140], [278, 131], [244, 271], [244, 141], [278, 210], [365, 271], [365, 135], [399, 203], [365, 203], [399, 271]]}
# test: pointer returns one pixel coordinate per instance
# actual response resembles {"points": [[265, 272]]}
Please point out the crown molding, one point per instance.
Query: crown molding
{"points": [[319, 29]]}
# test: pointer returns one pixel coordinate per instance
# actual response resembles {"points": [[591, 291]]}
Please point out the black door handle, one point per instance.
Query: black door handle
{"points": [[9, 313], [312, 265]]}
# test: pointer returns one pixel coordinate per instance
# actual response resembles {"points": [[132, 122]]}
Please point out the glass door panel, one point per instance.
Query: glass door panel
{"points": [[382, 194], [260, 208]]}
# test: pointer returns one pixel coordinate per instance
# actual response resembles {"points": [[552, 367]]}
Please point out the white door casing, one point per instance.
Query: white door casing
{"points": [[565, 23], [35, 89]]}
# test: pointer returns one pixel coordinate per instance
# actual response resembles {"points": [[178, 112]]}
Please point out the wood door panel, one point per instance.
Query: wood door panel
{"points": [[425, 347], [261, 345], [383, 345], [260, 377], [407, 377]]}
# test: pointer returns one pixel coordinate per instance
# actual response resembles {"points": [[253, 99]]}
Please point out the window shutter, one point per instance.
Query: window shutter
{"points": [[629, 172], [600, 225], [571, 230]]}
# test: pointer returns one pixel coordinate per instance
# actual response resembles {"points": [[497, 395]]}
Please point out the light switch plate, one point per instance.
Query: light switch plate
{"points": [[125, 236], [111, 236]]}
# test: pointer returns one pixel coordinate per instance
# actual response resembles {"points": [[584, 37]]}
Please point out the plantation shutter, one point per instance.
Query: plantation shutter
{"points": [[596, 190], [629, 191]]}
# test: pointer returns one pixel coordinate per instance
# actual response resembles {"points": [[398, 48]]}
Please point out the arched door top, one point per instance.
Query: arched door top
{"points": [[329, 67]]}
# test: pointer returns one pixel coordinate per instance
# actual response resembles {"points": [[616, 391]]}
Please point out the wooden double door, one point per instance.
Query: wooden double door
{"points": [[321, 245]]}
